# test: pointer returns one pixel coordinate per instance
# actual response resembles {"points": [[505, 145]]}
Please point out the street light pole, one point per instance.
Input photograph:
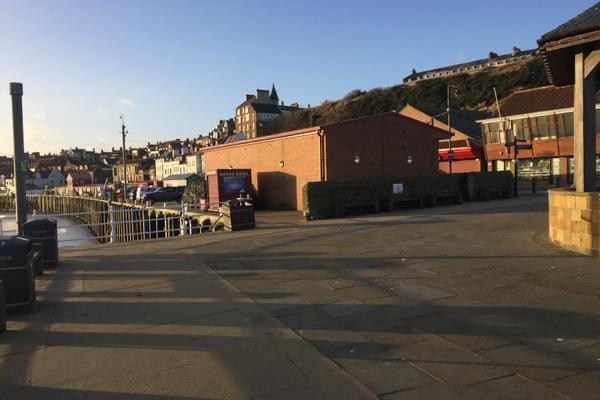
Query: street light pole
{"points": [[124, 133], [449, 129], [20, 164]]}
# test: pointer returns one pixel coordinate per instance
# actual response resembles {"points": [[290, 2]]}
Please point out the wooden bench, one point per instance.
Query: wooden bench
{"points": [[418, 200], [342, 205], [488, 194], [454, 197]]}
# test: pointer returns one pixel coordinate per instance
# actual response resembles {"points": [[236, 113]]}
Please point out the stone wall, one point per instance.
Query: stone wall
{"points": [[574, 220]]}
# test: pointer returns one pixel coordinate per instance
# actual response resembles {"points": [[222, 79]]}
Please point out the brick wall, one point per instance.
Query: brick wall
{"points": [[276, 187], [384, 144]]}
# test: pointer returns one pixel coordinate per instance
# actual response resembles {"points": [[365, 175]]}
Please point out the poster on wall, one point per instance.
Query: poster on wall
{"points": [[397, 188]]}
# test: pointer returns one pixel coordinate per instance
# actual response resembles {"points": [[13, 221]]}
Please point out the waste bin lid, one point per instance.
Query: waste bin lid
{"points": [[13, 251], [41, 222], [12, 242]]}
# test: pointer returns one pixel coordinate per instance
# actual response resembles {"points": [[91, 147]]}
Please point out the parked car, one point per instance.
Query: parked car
{"points": [[165, 194], [141, 192]]}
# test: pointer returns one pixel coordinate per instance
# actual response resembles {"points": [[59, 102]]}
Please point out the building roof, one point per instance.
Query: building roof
{"points": [[587, 21], [266, 108], [464, 121], [442, 134], [236, 137], [273, 96], [559, 46], [546, 98], [177, 177], [79, 176], [6, 170]]}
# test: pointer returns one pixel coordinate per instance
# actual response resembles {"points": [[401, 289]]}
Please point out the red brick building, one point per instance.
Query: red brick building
{"points": [[383, 145]]}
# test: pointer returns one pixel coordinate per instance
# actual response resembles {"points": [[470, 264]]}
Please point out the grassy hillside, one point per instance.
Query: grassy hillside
{"points": [[474, 92]]}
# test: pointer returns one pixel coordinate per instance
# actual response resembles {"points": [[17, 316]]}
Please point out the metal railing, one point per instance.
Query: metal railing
{"points": [[109, 222], [121, 223]]}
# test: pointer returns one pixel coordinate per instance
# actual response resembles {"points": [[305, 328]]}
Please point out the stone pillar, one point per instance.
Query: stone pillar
{"points": [[584, 118]]}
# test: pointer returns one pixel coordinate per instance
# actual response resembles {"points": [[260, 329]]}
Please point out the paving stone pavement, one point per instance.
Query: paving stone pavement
{"points": [[457, 302]]}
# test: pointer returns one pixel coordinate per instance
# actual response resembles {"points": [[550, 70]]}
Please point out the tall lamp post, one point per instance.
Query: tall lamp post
{"points": [[124, 133], [20, 163], [449, 123]]}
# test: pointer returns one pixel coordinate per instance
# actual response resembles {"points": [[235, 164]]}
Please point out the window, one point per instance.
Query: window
{"points": [[527, 128], [533, 128], [543, 129], [518, 127], [537, 167], [494, 133], [564, 124], [552, 126], [597, 122]]}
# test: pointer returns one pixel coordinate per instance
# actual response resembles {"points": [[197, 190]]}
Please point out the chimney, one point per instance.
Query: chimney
{"points": [[249, 97], [282, 103], [492, 55], [515, 50], [414, 71]]}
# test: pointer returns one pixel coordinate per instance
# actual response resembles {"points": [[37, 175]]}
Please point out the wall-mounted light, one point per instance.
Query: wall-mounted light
{"points": [[281, 163], [356, 159], [231, 167], [409, 160]]}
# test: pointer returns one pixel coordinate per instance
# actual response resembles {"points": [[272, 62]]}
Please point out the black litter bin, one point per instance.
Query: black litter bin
{"points": [[16, 271], [238, 215], [44, 231], [2, 308], [37, 259]]}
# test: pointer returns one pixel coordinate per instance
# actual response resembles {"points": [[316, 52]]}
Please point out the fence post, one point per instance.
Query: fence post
{"points": [[113, 234], [182, 220]]}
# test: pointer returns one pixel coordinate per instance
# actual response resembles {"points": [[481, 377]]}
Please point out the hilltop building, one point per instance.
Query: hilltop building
{"points": [[258, 110], [493, 60], [224, 128]]}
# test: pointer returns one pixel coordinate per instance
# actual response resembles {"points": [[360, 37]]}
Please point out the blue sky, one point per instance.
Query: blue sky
{"points": [[174, 68]]}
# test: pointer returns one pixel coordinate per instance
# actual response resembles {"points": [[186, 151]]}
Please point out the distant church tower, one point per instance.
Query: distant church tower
{"points": [[274, 98]]}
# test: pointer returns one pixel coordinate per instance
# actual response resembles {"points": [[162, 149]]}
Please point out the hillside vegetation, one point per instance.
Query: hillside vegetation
{"points": [[474, 92]]}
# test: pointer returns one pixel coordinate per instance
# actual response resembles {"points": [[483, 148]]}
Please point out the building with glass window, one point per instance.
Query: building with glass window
{"points": [[542, 121]]}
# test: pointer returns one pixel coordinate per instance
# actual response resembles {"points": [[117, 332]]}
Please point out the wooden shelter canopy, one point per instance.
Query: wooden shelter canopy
{"points": [[559, 46]]}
